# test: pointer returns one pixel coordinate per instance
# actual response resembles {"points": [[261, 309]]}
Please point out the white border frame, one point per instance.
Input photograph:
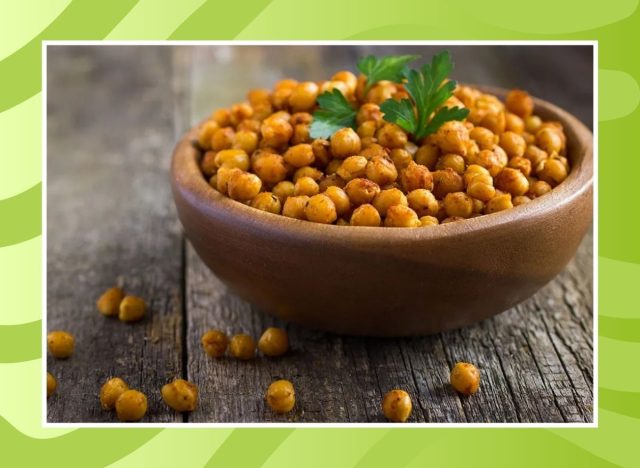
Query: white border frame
{"points": [[214, 425]]}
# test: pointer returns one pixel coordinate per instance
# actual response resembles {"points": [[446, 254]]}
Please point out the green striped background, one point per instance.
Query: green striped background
{"points": [[23, 25]]}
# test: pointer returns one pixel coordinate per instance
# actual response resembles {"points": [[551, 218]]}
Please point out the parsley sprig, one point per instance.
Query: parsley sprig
{"points": [[389, 68], [334, 113], [424, 113]]}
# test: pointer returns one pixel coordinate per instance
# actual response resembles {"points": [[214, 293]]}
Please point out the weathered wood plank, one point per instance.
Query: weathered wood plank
{"points": [[111, 220]]}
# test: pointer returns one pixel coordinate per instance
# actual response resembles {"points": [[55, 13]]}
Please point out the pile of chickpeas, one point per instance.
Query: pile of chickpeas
{"points": [[260, 153]]}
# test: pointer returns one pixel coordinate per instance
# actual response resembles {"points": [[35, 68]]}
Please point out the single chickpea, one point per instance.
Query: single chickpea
{"points": [[365, 215], [261, 110], [52, 384], [345, 142], [397, 406], [280, 98], [401, 216], [131, 405], [132, 309], [258, 95], [458, 204], [271, 168], [294, 207], [321, 151], [539, 188], [535, 155], [306, 186], [286, 83], [214, 343], [361, 191], [454, 161], [452, 219], [242, 347], [401, 158], [388, 198], [320, 209], [498, 203], [308, 171], [465, 378], [180, 395], [301, 134], [329, 86], [426, 221], [283, 190], [513, 123], [222, 117], [281, 396], [423, 202], [301, 118], [333, 166], [109, 303], [348, 78], [250, 125], [520, 200], [240, 112], [380, 92], [484, 137], [551, 171], [519, 102], [61, 344], [267, 201], [446, 181], [331, 180], [478, 207], [513, 144], [522, 164], [416, 176], [549, 139], [208, 163], [494, 121], [244, 186], [427, 155], [223, 177], [276, 132], [452, 137], [374, 150], [391, 136], [490, 160], [352, 167], [532, 123], [481, 190], [367, 129], [303, 96], [233, 158], [246, 141], [339, 198], [474, 170], [342, 222], [111, 391], [381, 170], [512, 181], [223, 138], [368, 112], [274, 342], [299, 155], [206, 133]]}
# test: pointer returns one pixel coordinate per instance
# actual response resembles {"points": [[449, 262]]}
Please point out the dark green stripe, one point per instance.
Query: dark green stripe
{"points": [[20, 216], [625, 403], [248, 448], [20, 343], [622, 329]]}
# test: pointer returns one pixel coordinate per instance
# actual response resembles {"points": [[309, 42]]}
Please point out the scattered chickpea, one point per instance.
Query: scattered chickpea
{"points": [[214, 343], [242, 347], [397, 406], [132, 309], [180, 395], [339, 198], [303, 96], [222, 139], [61, 344], [549, 140], [307, 171], [111, 391], [392, 136], [452, 137], [520, 200], [416, 176], [365, 215], [513, 144], [465, 378], [281, 396], [223, 177], [274, 342], [131, 405], [206, 133], [109, 302], [453, 161], [52, 384]]}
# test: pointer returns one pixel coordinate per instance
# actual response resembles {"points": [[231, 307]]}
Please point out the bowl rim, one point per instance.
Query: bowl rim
{"points": [[187, 179]]}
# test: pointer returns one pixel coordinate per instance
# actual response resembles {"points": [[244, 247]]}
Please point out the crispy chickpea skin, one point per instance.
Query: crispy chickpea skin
{"points": [[242, 347], [498, 203], [397, 406], [299, 155], [352, 167], [452, 137], [388, 198], [294, 207], [551, 171], [275, 132], [61, 344], [274, 342], [214, 343], [381, 170], [416, 176], [458, 204], [303, 96], [401, 216], [267, 201], [306, 186], [519, 102], [244, 186], [284, 190], [465, 378], [52, 384], [111, 391], [361, 191], [365, 215], [131, 405], [232, 158], [180, 395], [132, 309], [423, 202], [426, 221], [222, 138], [391, 136], [446, 181], [281, 397], [223, 177], [512, 181], [513, 144], [454, 161], [344, 143], [539, 188], [271, 168], [339, 198], [109, 302], [320, 209]]}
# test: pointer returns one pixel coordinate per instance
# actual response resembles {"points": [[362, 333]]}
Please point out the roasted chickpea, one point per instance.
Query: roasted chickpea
{"points": [[223, 176], [283, 190], [242, 347], [535, 155], [426, 221], [520, 200], [333, 166], [452, 137], [233, 158], [240, 112], [180, 395], [458, 204], [361, 191], [454, 161], [206, 133], [267, 201], [352, 167], [401, 158], [280, 98], [549, 139], [491, 160], [401, 216], [208, 163], [244, 186], [513, 144], [522, 164], [52, 384], [294, 207], [427, 155], [539, 188], [484, 137], [387, 198], [331, 180], [223, 138], [301, 134], [552, 171], [519, 102], [111, 391], [512, 181], [498, 203], [474, 170], [258, 95], [348, 78], [367, 129], [222, 117], [276, 132], [423, 202], [397, 406], [329, 86], [271, 168], [494, 121], [281, 396], [339, 198], [391, 136], [513, 123], [380, 92], [381, 170], [368, 112], [321, 152], [481, 190], [446, 181], [214, 343], [109, 303], [465, 378], [306, 186], [532, 123], [246, 141], [61, 344], [250, 125], [365, 215], [416, 176], [274, 342], [299, 155], [345, 142], [132, 309], [320, 209], [307, 171], [287, 83], [301, 118], [303, 96], [131, 405]]}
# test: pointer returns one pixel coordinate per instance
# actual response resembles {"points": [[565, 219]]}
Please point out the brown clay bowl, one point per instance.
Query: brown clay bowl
{"points": [[386, 281]]}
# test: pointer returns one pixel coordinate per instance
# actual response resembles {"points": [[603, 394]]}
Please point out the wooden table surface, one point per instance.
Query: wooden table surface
{"points": [[114, 114]]}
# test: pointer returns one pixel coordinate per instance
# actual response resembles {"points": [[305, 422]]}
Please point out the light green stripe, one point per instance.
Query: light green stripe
{"points": [[248, 448], [20, 216]]}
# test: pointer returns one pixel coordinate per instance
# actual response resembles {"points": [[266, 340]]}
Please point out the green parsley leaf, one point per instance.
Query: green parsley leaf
{"points": [[390, 68], [424, 114], [334, 113]]}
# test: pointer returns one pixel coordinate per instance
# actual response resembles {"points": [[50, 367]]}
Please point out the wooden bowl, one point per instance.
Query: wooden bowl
{"points": [[388, 281]]}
